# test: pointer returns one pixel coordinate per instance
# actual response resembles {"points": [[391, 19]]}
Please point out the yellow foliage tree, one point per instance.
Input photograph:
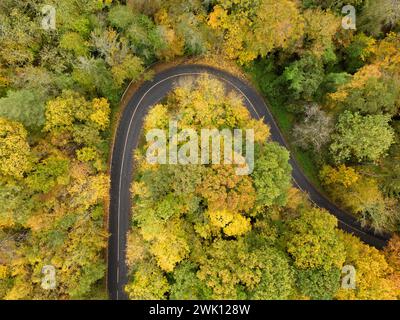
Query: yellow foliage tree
{"points": [[233, 224], [256, 30], [372, 272], [100, 114], [149, 283], [342, 175], [14, 149], [64, 111], [169, 245], [319, 27]]}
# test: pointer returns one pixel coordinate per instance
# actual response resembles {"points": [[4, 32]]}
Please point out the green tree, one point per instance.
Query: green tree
{"points": [[332, 82], [304, 76], [93, 76], [358, 51], [313, 242], [272, 175], [226, 267], [377, 96], [319, 284], [233, 271], [74, 42], [186, 285], [361, 138], [49, 173], [15, 204], [388, 170], [121, 17], [277, 280], [25, 106]]}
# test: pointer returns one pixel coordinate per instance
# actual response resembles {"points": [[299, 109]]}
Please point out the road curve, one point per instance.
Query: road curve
{"points": [[127, 138]]}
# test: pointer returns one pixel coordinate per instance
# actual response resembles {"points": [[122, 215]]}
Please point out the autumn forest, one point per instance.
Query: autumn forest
{"points": [[200, 231]]}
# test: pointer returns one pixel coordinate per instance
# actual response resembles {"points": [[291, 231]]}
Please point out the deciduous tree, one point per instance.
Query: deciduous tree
{"points": [[272, 175], [361, 138], [14, 149], [313, 242]]}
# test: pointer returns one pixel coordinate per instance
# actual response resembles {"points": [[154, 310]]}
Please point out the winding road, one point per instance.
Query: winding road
{"points": [[127, 139]]}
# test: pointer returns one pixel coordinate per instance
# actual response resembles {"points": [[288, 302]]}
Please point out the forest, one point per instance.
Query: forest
{"points": [[200, 232]]}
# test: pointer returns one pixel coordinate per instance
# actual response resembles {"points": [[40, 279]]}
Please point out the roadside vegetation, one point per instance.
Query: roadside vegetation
{"points": [[334, 92]]}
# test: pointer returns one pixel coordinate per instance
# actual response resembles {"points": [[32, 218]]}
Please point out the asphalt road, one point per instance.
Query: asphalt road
{"points": [[127, 138]]}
